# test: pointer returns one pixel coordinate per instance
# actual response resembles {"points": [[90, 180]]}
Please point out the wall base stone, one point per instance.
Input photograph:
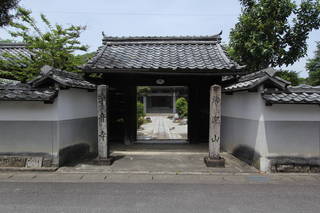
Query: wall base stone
{"points": [[21, 159], [295, 168], [295, 164]]}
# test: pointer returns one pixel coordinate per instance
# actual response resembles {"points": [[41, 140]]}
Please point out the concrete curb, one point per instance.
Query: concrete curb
{"points": [[155, 173], [24, 169], [157, 178]]}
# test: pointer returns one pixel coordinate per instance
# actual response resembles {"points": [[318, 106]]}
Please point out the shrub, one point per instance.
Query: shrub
{"points": [[182, 107], [140, 121], [140, 113]]}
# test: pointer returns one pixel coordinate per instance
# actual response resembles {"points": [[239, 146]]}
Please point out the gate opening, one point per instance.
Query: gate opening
{"points": [[162, 114]]}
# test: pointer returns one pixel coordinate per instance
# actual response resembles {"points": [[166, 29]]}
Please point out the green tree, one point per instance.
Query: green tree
{"points": [[142, 90], [7, 41], [313, 67], [5, 7], [84, 58], [291, 76], [273, 32], [182, 107], [54, 47]]}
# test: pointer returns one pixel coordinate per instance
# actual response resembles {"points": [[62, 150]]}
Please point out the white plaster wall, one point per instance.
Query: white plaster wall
{"points": [[291, 112], [32, 126], [292, 130], [77, 110], [27, 111], [76, 103], [245, 115], [28, 127], [243, 131], [70, 104], [242, 105], [280, 130]]}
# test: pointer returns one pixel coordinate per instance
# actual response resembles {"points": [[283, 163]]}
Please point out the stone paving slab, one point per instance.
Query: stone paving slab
{"points": [[161, 159], [168, 164], [161, 127]]}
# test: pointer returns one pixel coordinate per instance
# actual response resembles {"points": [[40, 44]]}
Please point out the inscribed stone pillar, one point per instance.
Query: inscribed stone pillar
{"points": [[214, 159], [103, 148], [215, 121]]}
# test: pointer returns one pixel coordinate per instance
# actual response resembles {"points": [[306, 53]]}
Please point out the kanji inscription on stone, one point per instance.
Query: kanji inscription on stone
{"points": [[102, 93], [215, 122]]}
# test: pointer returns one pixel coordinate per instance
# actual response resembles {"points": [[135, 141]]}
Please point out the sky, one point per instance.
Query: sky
{"points": [[148, 18]]}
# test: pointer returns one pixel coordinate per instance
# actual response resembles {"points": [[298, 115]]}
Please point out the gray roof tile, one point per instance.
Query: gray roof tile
{"points": [[16, 49], [24, 92], [304, 87], [40, 88], [302, 94], [252, 80], [169, 53], [64, 78]]}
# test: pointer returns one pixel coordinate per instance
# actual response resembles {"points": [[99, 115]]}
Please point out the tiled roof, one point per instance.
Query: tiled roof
{"points": [[302, 94], [40, 88], [259, 74], [179, 54], [255, 79], [24, 92], [244, 85], [292, 98], [16, 49], [64, 78], [304, 88], [8, 81]]}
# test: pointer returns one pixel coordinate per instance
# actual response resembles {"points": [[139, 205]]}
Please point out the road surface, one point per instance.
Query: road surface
{"points": [[155, 198]]}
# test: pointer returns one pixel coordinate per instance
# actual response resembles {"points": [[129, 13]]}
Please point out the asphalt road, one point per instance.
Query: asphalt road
{"points": [[149, 198]]}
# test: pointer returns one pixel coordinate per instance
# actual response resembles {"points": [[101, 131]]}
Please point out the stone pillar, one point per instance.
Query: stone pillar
{"points": [[214, 159], [174, 101], [103, 146]]}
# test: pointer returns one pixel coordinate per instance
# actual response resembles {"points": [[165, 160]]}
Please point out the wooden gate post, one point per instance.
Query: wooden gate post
{"points": [[214, 159], [103, 146]]}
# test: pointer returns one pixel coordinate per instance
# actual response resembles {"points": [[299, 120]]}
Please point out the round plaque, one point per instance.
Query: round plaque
{"points": [[160, 81]]}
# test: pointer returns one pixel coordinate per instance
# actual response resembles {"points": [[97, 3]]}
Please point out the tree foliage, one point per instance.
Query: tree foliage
{"points": [[5, 7], [273, 32], [7, 41], [182, 107], [142, 91], [55, 47], [84, 58], [313, 67], [291, 76]]}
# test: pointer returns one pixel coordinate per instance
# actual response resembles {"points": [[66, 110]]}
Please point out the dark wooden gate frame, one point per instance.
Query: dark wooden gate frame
{"points": [[198, 93]]}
